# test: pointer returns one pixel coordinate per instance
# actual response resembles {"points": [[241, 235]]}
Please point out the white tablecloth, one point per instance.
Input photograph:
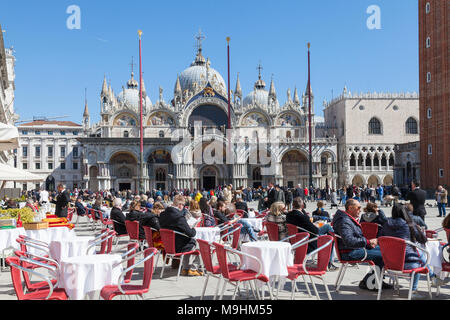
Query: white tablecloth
{"points": [[275, 257], [87, 275], [71, 247], [49, 235], [8, 238], [208, 234], [435, 249]]}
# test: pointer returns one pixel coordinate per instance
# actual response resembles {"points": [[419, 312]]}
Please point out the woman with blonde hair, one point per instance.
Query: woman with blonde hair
{"points": [[277, 215]]}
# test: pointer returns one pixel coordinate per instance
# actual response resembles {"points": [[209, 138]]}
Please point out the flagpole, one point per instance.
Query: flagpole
{"points": [[141, 129], [229, 112], [310, 119]]}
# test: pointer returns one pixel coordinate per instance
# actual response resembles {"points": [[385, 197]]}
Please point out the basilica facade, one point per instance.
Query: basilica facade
{"points": [[186, 144]]}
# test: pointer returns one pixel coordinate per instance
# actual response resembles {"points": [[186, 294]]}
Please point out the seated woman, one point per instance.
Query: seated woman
{"points": [[277, 215], [207, 212], [152, 220], [374, 215], [194, 213], [118, 217], [401, 226], [136, 214], [320, 213]]}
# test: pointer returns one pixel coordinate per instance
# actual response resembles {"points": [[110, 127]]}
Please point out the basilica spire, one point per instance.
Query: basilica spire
{"points": [[260, 84], [238, 91], [296, 97], [272, 92], [104, 87], [177, 86]]}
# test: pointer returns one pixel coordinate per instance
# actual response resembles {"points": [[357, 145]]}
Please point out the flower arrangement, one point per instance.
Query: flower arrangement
{"points": [[26, 214]]}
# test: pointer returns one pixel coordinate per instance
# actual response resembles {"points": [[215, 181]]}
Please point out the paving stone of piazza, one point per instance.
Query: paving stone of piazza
{"points": [[190, 288]]}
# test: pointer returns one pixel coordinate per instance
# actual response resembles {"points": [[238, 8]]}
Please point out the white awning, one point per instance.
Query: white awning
{"points": [[9, 137], [8, 173]]}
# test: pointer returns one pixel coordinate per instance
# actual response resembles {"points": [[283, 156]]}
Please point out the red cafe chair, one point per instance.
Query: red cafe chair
{"points": [[109, 292], [393, 253]]}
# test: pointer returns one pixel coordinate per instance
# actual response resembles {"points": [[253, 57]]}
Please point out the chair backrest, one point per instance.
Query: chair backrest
{"points": [[236, 235], [90, 213], [292, 229], [103, 244], [301, 251], [272, 231], [370, 230], [323, 257], [110, 240], [393, 252], [336, 247], [132, 229], [132, 248], [206, 254], [240, 212], [148, 268], [168, 240], [221, 254], [16, 277], [70, 212], [26, 277], [148, 235]]}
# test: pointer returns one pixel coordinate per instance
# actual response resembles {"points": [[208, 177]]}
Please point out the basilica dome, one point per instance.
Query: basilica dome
{"points": [[131, 96], [259, 96], [197, 76]]}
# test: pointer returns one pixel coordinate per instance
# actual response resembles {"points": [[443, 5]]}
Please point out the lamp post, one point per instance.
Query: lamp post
{"points": [[310, 119]]}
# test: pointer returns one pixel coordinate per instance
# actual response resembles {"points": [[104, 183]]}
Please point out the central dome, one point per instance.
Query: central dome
{"points": [[197, 76], [131, 97]]}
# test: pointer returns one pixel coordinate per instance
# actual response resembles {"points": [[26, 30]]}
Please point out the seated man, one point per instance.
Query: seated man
{"points": [[173, 219], [118, 217], [352, 244], [221, 214], [242, 205], [417, 219], [298, 217], [81, 210]]}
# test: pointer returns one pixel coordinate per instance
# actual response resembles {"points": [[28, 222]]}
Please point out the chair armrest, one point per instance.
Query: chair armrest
{"points": [[421, 249], [288, 238], [95, 243], [231, 232], [304, 230], [182, 234], [240, 253], [132, 267], [302, 243], [39, 275], [36, 242], [309, 255], [37, 247]]}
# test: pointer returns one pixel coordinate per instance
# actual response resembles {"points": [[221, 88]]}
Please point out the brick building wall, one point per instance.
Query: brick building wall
{"points": [[434, 27]]}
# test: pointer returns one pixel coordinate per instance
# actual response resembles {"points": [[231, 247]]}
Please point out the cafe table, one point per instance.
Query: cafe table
{"points": [[83, 277], [208, 234], [71, 247], [275, 258]]}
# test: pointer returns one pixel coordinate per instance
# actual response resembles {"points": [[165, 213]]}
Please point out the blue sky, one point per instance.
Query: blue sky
{"points": [[55, 64]]}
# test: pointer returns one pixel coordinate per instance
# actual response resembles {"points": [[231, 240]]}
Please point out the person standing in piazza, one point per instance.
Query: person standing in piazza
{"points": [[441, 198]]}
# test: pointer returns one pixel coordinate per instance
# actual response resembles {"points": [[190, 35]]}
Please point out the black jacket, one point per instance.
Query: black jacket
{"points": [[119, 226], [139, 217], [62, 203], [81, 211], [350, 232], [271, 197], [417, 198], [172, 219], [242, 206], [220, 217], [302, 220]]}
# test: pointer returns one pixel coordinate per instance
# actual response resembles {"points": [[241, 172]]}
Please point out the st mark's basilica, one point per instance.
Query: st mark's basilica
{"points": [[270, 144]]}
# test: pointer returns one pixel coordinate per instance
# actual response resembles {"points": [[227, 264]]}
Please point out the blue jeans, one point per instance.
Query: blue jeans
{"points": [[248, 229], [414, 265], [441, 208], [372, 255]]}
